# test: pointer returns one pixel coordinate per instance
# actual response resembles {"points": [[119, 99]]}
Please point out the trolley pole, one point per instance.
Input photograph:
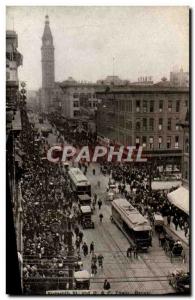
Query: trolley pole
{"points": [[70, 258]]}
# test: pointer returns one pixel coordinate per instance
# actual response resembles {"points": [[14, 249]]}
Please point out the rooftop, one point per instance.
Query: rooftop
{"points": [[142, 89], [130, 212], [11, 33]]}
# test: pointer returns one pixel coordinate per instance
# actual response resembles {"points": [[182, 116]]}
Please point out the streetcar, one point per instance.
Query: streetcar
{"points": [[135, 227], [79, 182]]}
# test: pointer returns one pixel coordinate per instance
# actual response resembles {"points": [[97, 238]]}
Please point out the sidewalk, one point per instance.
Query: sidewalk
{"points": [[179, 233]]}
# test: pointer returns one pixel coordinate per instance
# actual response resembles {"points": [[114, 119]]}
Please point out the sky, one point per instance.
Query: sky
{"points": [[144, 41]]}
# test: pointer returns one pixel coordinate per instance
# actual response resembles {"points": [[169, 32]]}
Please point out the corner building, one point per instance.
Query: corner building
{"points": [[148, 116]]}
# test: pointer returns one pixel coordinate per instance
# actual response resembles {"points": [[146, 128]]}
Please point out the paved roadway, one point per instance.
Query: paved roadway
{"points": [[147, 274]]}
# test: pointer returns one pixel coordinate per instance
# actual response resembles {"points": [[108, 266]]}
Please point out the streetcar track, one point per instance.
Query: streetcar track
{"points": [[119, 258], [142, 260]]}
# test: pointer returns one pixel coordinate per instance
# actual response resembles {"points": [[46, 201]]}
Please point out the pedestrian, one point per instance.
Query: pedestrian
{"points": [[93, 268], [101, 217], [106, 285], [168, 220], [76, 230], [161, 239], [77, 243], [81, 236], [95, 198], [100, 260], [186, 231], [176, 224], [94, 258], [85, 249], [92, 247], [135, 251], [129, 251], [93, 171], [99, 203]]}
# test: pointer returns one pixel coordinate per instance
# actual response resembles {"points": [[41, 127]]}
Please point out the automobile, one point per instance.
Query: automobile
{"points": [[158, 222], [85, 214], [82, 280], [112, 188]]}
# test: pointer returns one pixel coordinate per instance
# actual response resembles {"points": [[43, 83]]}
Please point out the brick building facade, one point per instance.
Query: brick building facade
{"points": [[147, 116], [78, 98]]}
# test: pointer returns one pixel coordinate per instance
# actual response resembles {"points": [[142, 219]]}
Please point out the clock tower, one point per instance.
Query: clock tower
{"points": [[47, 60]]}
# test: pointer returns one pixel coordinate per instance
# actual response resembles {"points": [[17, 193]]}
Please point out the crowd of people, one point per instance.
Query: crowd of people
{"points": [[138, 179], [140, 194], [49, 203]]}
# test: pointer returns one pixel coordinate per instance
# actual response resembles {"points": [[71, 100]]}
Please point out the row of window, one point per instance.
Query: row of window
{"points": [[149, 124], [150, 106], [75, 103], [150, 142], [89, 95], [145, 125], [91, 104]]}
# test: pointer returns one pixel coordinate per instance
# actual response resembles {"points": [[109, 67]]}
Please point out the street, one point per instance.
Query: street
{"points": [[98, 150], [128, 275]]}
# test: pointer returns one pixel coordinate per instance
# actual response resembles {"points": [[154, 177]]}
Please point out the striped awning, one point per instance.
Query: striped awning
{"points": [[180, 198]]}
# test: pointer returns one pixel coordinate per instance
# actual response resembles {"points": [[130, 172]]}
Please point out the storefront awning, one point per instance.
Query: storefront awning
{"points": [[180, 198], [165, 185]]}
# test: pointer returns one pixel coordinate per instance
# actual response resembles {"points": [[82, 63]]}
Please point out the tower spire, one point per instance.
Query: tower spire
{"points": [[47, 60], [47, 31], [47, 20]]}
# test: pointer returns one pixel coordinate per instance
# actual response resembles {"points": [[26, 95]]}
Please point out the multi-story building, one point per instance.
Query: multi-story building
{"points": [[13, 155], [57, 98], [180, 79], [13, 61], [79, 98], [48, 76], [186, 150], [13, 123], [147, 116]]}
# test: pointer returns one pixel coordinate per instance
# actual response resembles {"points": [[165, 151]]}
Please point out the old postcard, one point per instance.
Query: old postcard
{"points": [[98, 150]]}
